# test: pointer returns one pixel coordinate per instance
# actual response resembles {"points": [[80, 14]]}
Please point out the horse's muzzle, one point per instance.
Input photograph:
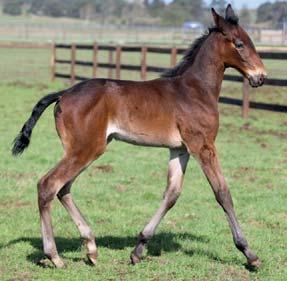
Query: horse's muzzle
{"points": [[257, 80]]}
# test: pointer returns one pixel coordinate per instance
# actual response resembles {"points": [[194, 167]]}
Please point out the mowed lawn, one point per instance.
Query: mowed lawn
{"points": [[121, 191]]}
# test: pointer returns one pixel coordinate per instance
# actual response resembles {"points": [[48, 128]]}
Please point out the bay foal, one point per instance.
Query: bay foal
{"points": [[178, 111]]}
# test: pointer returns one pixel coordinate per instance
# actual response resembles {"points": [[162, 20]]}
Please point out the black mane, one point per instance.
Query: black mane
{"points": [[189, 56], [234, 20]]}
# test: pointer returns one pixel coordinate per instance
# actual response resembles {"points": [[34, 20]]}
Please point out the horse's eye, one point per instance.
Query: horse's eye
{"points": [[239, 44]]}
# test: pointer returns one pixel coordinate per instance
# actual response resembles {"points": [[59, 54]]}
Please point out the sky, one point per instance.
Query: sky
{"points": [[250, 3], [238, 3]]}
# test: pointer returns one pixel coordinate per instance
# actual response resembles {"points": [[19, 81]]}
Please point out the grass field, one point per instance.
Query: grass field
{"points": [[121, 191]]}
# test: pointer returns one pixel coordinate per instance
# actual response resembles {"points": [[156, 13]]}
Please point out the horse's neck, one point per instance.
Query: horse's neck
{"points": [[207, 68]]}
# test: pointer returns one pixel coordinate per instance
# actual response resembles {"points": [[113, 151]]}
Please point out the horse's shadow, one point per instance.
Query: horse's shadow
{"points": [[164, 241]]}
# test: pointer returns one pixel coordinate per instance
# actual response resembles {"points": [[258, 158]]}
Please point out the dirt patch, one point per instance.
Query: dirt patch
{"points": [[16, 175], [269, 186], [24, 85], [121, 188], [243, 171], [272, 225], [234, 274], [248, 127], [283, 216], [101, 169], [263, 145], [256, 223], [157, 174], [14, 204], [101, 221], [252, 179], [172, 224], [23, 276]]}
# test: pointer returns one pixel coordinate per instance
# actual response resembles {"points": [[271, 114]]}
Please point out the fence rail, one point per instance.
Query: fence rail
{"points": [[114, 63], [143, 69]]}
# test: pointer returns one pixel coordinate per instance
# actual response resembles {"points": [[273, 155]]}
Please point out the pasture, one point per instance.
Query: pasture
{"points": [[121, 191]]}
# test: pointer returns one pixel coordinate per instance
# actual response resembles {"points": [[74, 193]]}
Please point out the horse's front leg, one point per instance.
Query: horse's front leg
{"points": [[176, 169], [207, 157]]}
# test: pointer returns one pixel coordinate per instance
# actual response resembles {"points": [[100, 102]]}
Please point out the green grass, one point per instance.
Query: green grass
{"points": [[193, 242]]}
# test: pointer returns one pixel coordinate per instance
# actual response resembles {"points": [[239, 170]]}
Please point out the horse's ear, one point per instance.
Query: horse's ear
{"points": [[230, 15], [218, 20]]}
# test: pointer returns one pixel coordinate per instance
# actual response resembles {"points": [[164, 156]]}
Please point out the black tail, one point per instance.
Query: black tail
{"points": [[23, 139]]}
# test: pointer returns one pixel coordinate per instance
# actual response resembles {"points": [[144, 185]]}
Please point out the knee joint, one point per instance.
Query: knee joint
{"points": [[223, 197], [45, 193], [171, 196], [206, 154]]}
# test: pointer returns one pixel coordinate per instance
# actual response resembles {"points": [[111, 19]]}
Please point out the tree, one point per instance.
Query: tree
{"points": [[156, 7], [174, 14], [179, 11], [219, 5], [272, 12], [13, 7], [245, 17], [264, 12]]}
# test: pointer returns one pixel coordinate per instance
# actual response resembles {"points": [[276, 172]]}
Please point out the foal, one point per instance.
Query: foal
{"points": [[178, 111]]}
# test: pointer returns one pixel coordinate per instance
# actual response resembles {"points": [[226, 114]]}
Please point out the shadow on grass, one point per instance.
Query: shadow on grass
{"points": [[165, 241]]}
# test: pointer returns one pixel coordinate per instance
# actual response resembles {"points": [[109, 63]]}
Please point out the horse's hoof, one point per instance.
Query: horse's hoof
{"points": [[134, 259], [58, 263], [92, 258], [255, 264]]}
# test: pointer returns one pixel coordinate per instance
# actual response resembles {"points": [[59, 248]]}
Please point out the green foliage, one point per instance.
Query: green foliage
{"points": [[272, 12], [245, 16], [156, 7], [13, 7], [179, 11], [173, 13]]}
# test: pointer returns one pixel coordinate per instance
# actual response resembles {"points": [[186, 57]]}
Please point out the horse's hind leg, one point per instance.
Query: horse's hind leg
{"points": [[211, 167], [176, 169], [66, 170], [86, 233]]}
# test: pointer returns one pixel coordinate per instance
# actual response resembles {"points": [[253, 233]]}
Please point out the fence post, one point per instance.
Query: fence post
{"points": [[173, 55], [73, 63], [245, 99], [53, 62], [143, 62], [110, 71], [118, 62], [95, 59]]}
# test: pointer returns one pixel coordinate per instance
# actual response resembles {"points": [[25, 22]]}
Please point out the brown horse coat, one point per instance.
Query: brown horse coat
{"points": [[178, 111]]}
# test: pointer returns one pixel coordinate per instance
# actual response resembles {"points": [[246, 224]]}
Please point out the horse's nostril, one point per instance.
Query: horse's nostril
{"points": [[257, 80]]}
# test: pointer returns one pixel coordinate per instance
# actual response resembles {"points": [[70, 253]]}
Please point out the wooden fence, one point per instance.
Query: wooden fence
{"points": [[143, 68]]}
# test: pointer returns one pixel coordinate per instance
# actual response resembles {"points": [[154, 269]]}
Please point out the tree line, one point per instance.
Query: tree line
{"points": [[173, 12]]}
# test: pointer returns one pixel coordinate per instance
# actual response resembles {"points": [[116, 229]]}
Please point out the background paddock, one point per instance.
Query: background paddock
{"points": [[121, 190]]}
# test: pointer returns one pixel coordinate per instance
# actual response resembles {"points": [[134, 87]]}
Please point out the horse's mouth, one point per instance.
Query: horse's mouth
{"points": [[256, 80]]}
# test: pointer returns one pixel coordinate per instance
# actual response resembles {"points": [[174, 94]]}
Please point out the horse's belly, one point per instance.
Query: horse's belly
{"points": [[163, 138]]}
